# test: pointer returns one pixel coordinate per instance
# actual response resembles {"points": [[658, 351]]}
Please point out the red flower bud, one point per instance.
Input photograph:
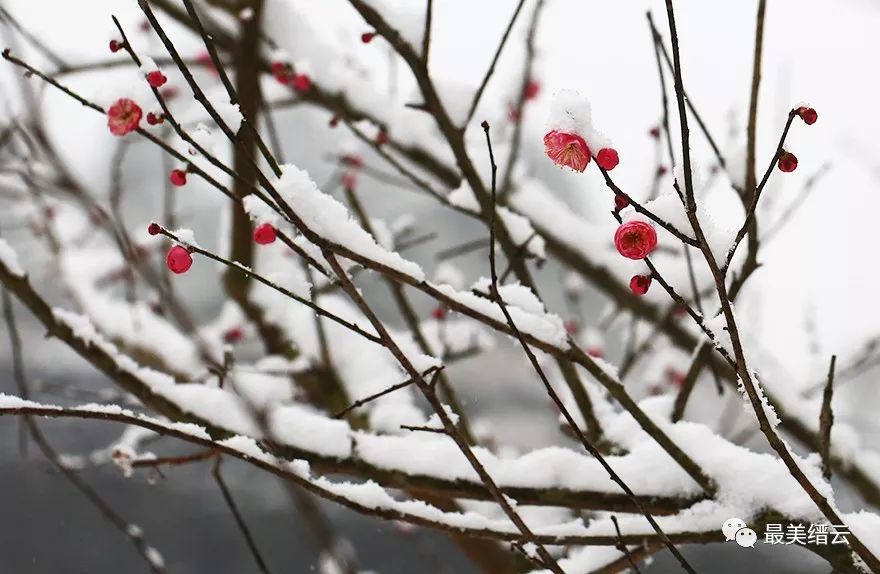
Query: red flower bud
{"points": [[353, 160], [607, 158], [233, 335], [177, 177], [204, 60], [155, 119], [179, 259], [302, 83], [156, 79], [265, 234], [639, 284], [116, 45], [439, 313], [788, 162], [532, 90], [620, 202], [809, 115], [349, 180], [154, 229], [367, 37]]}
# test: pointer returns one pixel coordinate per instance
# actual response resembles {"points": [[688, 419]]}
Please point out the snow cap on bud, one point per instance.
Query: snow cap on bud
{"points": [[177, 177], [179, 259], [567, 149], [124, 117], [607, 158], [571, 134], [635, 239], [154, 229], [639, 284], [788, 162], [807, 114], [265, 233]]}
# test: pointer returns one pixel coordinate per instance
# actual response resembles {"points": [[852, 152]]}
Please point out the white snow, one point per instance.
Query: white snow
{"points": [[9, 259], [330, 219]]}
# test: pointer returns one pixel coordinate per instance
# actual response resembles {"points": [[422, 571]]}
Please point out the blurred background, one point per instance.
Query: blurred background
{"points": [[813, 296]]}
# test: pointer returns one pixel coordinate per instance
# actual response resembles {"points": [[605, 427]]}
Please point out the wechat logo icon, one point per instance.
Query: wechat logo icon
{"points": [[736, 529]]}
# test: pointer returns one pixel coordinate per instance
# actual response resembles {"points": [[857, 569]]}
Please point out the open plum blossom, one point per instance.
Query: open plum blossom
{"points": [[635, 239], [567, 149], [124, 117]]}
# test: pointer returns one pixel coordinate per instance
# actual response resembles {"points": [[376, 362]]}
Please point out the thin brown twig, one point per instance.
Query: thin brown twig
{"points": [[427, 390], [590, 448], [227, 84], [244, 270], [754, 395], [239, 518], [361, 402], [488, 76], [826, 420], [690, 380], [622, 547], [426, 35]]}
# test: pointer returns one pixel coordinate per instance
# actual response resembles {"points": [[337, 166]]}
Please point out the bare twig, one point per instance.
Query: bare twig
{"points": [[496, 295], [361, 402], [239, 519], [826, 420], [488, 76], [746, 376], [622, 547]]}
